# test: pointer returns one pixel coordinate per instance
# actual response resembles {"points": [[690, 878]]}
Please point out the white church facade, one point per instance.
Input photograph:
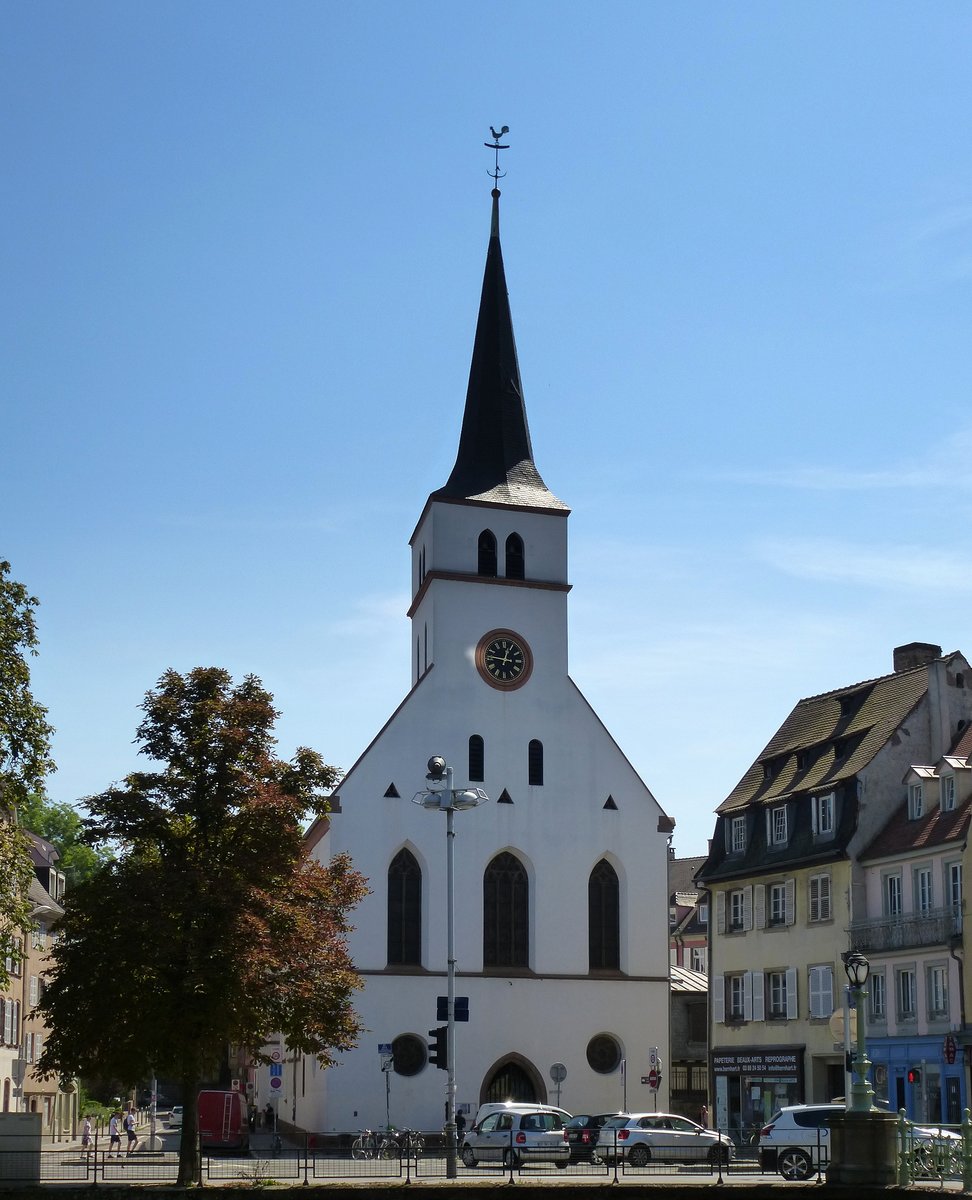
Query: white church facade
{"points": [[561, 915]]}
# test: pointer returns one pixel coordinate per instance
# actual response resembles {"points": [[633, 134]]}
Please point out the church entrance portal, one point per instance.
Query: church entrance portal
{"points": [[514, 1080]]}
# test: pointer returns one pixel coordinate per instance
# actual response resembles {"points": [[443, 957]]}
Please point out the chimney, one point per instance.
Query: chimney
{"points": [[915, 654]]}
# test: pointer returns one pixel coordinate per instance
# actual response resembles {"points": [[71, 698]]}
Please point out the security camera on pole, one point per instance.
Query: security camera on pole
{"points": [[441, 796]]}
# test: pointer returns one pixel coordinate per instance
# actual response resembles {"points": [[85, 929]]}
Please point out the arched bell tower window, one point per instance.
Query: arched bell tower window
{"points": [[487, 553], [404, 911], [535, 763], [604, 918], [515, 564], [506, 901], [477, 759]]}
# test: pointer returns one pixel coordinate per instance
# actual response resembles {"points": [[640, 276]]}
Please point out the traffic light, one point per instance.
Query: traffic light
{"points": [[914, 1075], [438, 1047]]}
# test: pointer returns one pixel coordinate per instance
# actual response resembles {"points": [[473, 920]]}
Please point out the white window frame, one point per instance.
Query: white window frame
{"points": [[877, 986], [699, 959], [822, 810], [820, 987], [776, 995], [906, 997], [737, 910], [777, 903], [704, 913], [947, 798], [916, 800], [736, 997], [891, 890], [820, 900], [953, 884], [923, 890], [936, 977], [737, 835], [34, 991], [776, 825]]}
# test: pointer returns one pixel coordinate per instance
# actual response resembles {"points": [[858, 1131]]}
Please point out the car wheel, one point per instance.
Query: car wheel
{"points": [[793, 1164], [468, 1158], [639, 1156], [511, 1160], [561, 1164], [719, 1154]]}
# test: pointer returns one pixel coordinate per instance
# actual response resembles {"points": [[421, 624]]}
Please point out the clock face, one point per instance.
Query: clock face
{"points": [[504, 659]]}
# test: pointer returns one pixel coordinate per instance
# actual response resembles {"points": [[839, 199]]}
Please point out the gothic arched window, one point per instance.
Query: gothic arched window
{"points": [[604, 918], [535, 762], [515, 563], [404, 911], [506, 902], [477, 759], [487, 553]]}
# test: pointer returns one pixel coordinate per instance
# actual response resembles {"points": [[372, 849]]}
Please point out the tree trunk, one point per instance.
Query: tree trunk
{"points": [[189, 1159]]}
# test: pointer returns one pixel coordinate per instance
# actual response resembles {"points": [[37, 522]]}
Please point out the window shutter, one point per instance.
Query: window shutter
{"points": [[791, 993], [719, 1000], [760, 905], [748, 996], [721, 912], [748, 907], [790, 901], [759, 996], [8, 1021]]}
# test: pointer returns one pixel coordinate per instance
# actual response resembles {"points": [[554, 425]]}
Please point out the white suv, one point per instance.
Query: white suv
{"points": [[796, 1141]]}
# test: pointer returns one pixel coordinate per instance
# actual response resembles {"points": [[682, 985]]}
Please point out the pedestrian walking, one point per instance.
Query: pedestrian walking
{"points": [[704, 1116], [130, 1130], [268, 1115], [114, 1136], [85, 1136]]}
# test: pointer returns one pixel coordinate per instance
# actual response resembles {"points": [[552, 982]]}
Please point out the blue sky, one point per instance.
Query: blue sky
{"points": [[242, 250]]}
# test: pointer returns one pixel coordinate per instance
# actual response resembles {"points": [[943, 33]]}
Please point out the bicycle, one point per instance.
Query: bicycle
{"points": [[406, 1143], [370, 1144]]}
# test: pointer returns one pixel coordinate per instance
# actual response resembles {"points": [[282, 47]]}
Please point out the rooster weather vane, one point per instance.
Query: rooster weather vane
{"points": [[496, 173]]}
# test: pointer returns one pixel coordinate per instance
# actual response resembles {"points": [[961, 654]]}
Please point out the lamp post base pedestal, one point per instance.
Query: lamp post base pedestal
{"points": [[862, 1149]]}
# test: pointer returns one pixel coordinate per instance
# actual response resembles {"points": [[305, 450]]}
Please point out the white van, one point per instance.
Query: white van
{"points": [[518, 1107]]}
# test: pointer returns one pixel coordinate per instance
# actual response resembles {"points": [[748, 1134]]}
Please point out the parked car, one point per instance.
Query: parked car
{"points": [[521, 1106], [514, 1137], [582, 1134], [175, 1117], [638, 1138], [796, 1141]]}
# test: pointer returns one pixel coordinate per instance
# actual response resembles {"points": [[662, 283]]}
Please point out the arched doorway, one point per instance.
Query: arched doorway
{"points": [[513, 1078]]}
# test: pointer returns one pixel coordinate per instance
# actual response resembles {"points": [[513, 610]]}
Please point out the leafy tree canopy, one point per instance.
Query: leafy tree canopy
{"points": [[62, 826], [24, 754], [212, 925]]}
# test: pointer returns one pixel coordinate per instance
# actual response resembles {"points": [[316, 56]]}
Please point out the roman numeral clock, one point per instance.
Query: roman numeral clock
{"points": [[504, 659]]}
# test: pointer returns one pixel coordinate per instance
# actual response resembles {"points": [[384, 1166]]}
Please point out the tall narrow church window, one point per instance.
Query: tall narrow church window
{"points": [[506, 898], [535, 762], [487, 553], [477, 759], [515, 564], [404, 911], [603, 918]]}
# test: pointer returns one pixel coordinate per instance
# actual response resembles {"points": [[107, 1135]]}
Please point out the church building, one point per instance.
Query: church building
{"points": [[561, 914]]}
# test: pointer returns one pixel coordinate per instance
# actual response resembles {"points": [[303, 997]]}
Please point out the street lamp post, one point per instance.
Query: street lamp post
{"points": [[858, 969], [442, 796]]}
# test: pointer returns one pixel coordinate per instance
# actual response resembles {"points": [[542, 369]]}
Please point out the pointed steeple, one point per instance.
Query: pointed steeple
{"points": [[494, 462]]}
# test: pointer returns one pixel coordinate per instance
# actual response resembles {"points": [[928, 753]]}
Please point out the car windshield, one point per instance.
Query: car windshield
{"points": [[616, 1123], [541, 1121]]}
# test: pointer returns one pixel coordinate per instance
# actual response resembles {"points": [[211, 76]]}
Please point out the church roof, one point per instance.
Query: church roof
{"points": [[494, 463]]}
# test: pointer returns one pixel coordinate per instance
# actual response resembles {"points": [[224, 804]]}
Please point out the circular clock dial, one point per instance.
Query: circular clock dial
{"points": [[504, 659]]}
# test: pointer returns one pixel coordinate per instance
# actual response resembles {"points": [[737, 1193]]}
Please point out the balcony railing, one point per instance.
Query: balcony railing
{"points": [[936, 927]]}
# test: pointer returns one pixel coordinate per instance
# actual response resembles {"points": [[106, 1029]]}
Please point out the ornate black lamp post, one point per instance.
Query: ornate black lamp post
{"points": [[858, 969]]}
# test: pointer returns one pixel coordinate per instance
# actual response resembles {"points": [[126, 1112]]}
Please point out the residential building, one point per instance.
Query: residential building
{"points": [[557, 876], [785, 883], [689, 1071], [911, 932], [688, 915]]}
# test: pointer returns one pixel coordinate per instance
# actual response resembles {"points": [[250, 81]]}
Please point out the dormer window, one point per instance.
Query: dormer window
{"points": [[822, 815], [916, 801], [948, 793], [737, 835], [776, 830]]}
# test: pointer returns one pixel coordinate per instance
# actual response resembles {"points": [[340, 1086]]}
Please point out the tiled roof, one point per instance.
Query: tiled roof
{"points": [[935, 828], [681, 874], [684, 980], [830, 737]]}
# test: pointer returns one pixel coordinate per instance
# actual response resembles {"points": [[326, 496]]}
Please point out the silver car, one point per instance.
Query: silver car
{"points": [[516, 1138], [638, 1138]]}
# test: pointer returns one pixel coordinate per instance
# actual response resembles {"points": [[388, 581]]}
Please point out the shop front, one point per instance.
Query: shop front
{"points": [[925, 1076], [749, 1085]]}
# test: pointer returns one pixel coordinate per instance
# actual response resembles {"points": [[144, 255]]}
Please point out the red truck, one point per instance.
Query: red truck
{"points": [[223, 1123]]}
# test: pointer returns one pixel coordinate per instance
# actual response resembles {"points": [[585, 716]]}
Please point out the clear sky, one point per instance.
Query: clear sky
{"points": [[242, 248]]}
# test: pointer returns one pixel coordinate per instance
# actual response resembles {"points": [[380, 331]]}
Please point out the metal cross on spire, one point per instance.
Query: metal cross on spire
{"points": [[496, 173]]}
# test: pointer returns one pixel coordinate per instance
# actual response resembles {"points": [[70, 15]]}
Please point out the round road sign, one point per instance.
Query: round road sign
{"points": [[653, 1080]]}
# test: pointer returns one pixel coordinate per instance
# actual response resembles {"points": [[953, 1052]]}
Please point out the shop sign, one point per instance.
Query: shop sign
{"points": [[770, 1064], [950, 1049]]}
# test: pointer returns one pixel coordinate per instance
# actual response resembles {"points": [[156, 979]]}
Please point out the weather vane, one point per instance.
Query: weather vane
{"points": [[496, 173]]}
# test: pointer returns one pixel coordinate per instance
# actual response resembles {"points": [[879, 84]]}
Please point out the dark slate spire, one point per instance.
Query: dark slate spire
{"points": [[495, 459]]}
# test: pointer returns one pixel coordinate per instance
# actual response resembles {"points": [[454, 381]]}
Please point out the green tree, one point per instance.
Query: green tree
{"points": [[25, 756], [212, 926], [62, 826]]}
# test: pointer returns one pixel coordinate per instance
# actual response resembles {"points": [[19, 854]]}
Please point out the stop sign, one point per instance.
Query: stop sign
{"points": [[653, 1080]]}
